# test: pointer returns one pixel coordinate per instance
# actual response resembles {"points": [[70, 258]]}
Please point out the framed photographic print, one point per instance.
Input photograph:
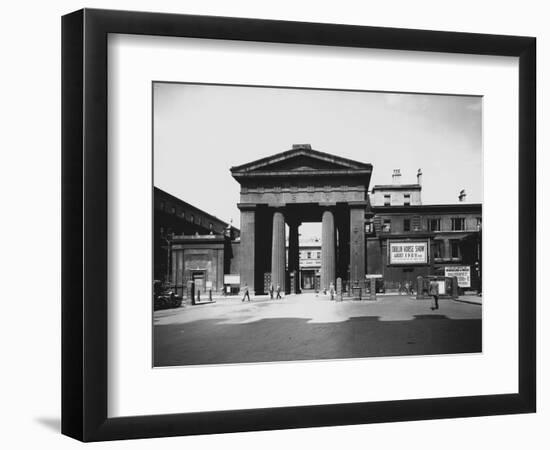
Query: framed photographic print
{"points": [[273, 224]]}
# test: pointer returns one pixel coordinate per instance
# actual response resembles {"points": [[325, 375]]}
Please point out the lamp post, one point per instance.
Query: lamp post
{"points": [[168, 239]]}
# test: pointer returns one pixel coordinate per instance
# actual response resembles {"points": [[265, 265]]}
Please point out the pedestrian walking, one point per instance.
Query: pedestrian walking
{"points": [[434, 292], [331, 289], [278, 292], [271, 291], [246, 293]]}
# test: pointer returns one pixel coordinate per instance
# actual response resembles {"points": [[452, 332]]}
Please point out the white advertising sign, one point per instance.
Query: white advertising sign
{"points": [[462, 273], [231, 279], [408, 252]]}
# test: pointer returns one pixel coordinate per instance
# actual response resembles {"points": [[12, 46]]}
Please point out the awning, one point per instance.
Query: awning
{"points": [[456, 236]]}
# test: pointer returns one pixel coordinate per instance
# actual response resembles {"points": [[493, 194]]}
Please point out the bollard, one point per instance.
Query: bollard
{"points": [[373, 289], [192, 289], [339, 289], [454, 287], [419, 287], [210, 294]]}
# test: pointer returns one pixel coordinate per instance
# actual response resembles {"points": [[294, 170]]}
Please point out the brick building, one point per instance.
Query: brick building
{"points": [[406, 238], [190, 244]]}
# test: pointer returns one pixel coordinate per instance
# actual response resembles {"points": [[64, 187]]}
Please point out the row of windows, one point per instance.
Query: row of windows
{"points": [[438, 249], [181, 213], [457, 224], [406, 199], [309, 255]]}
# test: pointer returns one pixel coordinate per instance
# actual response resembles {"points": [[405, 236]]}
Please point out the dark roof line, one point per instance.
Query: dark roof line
{"points": [[189, 205], [429, 206], [396, 186]]}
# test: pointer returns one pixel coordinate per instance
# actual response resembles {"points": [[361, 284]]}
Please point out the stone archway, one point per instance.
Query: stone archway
{"points": [[293, 187]]}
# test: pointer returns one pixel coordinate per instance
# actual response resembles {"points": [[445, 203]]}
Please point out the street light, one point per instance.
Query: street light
{"points": [[168, 239]]}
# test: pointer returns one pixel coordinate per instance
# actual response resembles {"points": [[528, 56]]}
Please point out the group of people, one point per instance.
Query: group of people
{"points": [[272, 291], [434, 292]]}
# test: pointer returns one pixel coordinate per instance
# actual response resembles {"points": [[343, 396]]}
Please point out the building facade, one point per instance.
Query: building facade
{"points": [[386, 232], [190, 244], [293, 187], [406, 239]]}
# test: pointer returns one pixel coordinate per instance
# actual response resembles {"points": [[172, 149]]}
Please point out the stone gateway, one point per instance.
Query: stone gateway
{"points": [[293, 187]]}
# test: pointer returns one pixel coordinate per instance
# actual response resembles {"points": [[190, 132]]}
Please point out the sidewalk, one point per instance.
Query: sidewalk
{"points": [[473, 299], [226, 299], [237, 299]]}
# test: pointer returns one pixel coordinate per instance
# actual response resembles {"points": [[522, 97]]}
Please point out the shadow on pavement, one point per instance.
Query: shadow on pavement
{"points": [[211, 341]]}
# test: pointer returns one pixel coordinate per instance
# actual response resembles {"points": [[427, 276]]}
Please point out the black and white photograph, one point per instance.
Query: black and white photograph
{"points": [[299, 224]]}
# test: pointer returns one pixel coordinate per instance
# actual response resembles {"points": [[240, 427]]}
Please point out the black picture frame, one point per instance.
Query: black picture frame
{"points": [[84, 224]]}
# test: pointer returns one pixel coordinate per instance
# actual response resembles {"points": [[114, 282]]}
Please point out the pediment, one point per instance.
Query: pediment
{"points": [[300, 162], [300, 159]]}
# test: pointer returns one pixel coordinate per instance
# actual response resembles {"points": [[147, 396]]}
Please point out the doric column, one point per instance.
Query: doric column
{"points": [[294, 254], [342, 247], [247, 246], [357, 243], [278, 251], [328, 251]]}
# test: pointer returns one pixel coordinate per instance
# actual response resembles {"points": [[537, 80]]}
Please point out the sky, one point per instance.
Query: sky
{"points": [[200, 131]]}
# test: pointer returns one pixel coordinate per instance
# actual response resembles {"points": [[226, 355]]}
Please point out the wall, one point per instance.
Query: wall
{"points": [[30, 186], [397, 197]]}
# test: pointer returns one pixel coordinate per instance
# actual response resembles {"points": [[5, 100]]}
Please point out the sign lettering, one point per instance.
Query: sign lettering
{"points": [[462, 273], [408, 252]]}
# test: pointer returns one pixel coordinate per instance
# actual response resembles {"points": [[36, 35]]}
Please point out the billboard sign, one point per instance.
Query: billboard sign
{"points": [[462, 273], [408, 252], [231, 279]]}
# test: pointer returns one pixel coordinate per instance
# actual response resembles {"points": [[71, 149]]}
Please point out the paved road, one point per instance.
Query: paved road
{"points": [[305, 327]]}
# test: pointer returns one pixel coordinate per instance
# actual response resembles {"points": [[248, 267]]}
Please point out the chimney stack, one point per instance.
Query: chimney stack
{"points": [[462, 195], [301, 146], [396, 177], [419, 177]]}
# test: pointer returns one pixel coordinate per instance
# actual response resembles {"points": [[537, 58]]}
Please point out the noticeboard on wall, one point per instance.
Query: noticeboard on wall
{"points": [[231, 279], [407, 252], [462, 273]]}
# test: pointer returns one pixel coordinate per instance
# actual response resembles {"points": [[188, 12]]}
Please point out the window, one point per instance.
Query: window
{"points": [[387, 199], [308, 255], [478, 223], [457, 223], [434, 224], [369, 227], [210, 225], [173, 210], [161, 206], [407, 199], [387, 225], [318, 255], [455, 249], [192, 218], [406, 224], [437, 249]]}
